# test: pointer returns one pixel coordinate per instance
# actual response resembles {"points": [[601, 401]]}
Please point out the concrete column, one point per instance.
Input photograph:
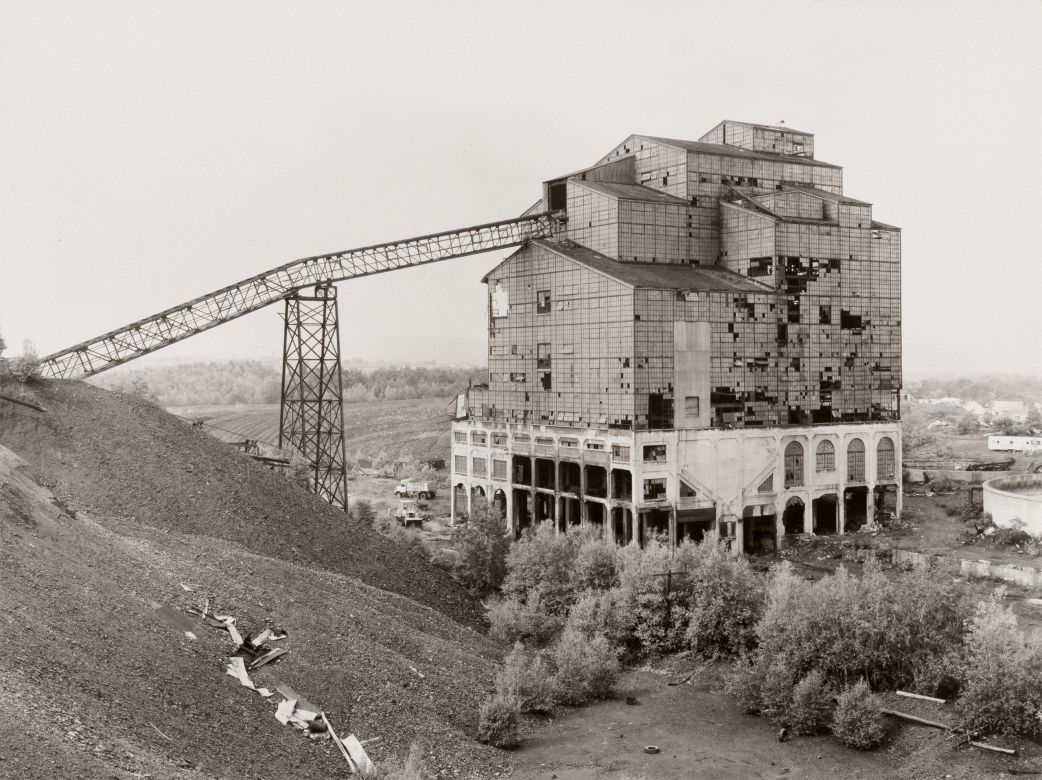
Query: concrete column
{"points": [[808, 514], [871, 499], [841, 517], [470, 500], [672, 526], [508, 509], [452, 501]]}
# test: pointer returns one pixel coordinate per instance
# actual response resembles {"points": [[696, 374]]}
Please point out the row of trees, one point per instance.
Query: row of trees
{"points": [[983, 389], [256, 382]]}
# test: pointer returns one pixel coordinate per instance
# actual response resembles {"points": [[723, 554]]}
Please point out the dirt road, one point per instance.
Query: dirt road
{"points": [[699, 730]]}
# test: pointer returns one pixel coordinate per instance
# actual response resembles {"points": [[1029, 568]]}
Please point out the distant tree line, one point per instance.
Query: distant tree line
{"points": [[983, 389], [255, 382]]}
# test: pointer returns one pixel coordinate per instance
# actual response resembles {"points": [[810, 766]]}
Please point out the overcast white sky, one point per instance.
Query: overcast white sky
{"points": [[152, 152]]}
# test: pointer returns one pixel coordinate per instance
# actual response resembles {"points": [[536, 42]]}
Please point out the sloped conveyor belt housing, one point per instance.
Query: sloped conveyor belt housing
{"points": [[178, 323]]}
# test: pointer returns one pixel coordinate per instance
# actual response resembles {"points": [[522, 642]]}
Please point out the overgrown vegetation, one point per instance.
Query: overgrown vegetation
{"points": [[578, 608]]}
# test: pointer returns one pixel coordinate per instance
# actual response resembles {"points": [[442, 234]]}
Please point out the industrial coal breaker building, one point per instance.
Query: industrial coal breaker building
{"points": [[711, 339]]}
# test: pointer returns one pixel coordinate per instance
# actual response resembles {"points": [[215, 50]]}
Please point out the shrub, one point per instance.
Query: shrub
{"points": [[1003, 676], [586, 669], [658, 604], [744, 683], [512, 620], [26, 367], [482, 546], [939, 675], [543, 561], [811, 706], [777, 682], [726, 600], [1012, 535], [596, 564], [607, 614], [497, 722], [857, 722], [362, 511], [876, 627], [527, 679]]}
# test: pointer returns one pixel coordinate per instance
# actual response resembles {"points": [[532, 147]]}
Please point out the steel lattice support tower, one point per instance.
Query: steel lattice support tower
{"points": [[311, 415]]}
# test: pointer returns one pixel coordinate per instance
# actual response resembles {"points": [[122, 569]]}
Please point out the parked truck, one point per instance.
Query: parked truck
{"points": [[409, 489]]}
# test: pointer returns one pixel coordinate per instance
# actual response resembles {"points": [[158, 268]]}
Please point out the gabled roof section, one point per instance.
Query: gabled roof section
{"points": [[776, 128], [733, 151], [630, 192], [823, 194], [883, 226], [656, 277]]}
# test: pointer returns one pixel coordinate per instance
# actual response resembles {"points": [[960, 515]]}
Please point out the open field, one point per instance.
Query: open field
{"points": [[414, 429]]}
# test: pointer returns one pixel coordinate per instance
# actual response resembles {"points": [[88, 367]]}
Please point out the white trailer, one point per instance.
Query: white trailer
{"points": [[1015, 443]]}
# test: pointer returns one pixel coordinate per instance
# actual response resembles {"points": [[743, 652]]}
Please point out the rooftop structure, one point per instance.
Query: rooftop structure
{"points": [[710, 340]]}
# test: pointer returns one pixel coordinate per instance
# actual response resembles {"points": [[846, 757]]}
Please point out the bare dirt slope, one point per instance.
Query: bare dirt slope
{"points": [[94, 684], [127, 460]]}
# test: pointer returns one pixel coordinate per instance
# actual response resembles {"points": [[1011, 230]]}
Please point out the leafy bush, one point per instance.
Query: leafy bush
{"points": [[26, 367], [596, 564], [586, 669], [745, 683], [543, 562], [1012, 535], [777, 683], [528, 679], [497, 722], [811, 707], [604, 613], [482, 546], [362, 511], [877, 627], [657, 603], [1003, 676], [857, 722], [726, 600], [513, 620], [939, 675]]}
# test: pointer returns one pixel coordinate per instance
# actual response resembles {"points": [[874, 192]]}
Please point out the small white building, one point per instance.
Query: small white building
{"points": [[1015, 410], [1015, 443]]}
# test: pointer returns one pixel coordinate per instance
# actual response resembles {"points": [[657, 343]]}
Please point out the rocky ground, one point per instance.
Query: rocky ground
{"points": [[117, 508]]}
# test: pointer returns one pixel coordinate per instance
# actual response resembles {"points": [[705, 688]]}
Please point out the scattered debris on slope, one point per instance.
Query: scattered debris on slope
{"points": [[96, 682]]}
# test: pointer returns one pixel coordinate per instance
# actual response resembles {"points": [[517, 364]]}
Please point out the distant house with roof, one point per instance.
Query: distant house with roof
{"points": [[1014, 410]]}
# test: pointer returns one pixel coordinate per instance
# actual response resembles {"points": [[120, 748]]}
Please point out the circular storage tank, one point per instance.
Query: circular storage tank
{"points": [[1017, 497]]}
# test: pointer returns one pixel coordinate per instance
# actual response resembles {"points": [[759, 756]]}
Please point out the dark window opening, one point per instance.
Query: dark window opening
{"points": [[544, 380], [558, 196], [660, 411], [825, 315], [654, 489], [542, 302]]}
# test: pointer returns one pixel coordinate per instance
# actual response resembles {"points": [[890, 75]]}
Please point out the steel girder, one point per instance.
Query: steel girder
{"points": [[208, 311]]}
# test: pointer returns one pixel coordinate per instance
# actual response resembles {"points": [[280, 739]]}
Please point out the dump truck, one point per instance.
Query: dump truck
{"points": [[407, 489], [409, 513]]}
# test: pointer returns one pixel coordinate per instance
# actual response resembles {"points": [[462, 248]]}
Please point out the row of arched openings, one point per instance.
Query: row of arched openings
{"points": [[825, 460]]}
